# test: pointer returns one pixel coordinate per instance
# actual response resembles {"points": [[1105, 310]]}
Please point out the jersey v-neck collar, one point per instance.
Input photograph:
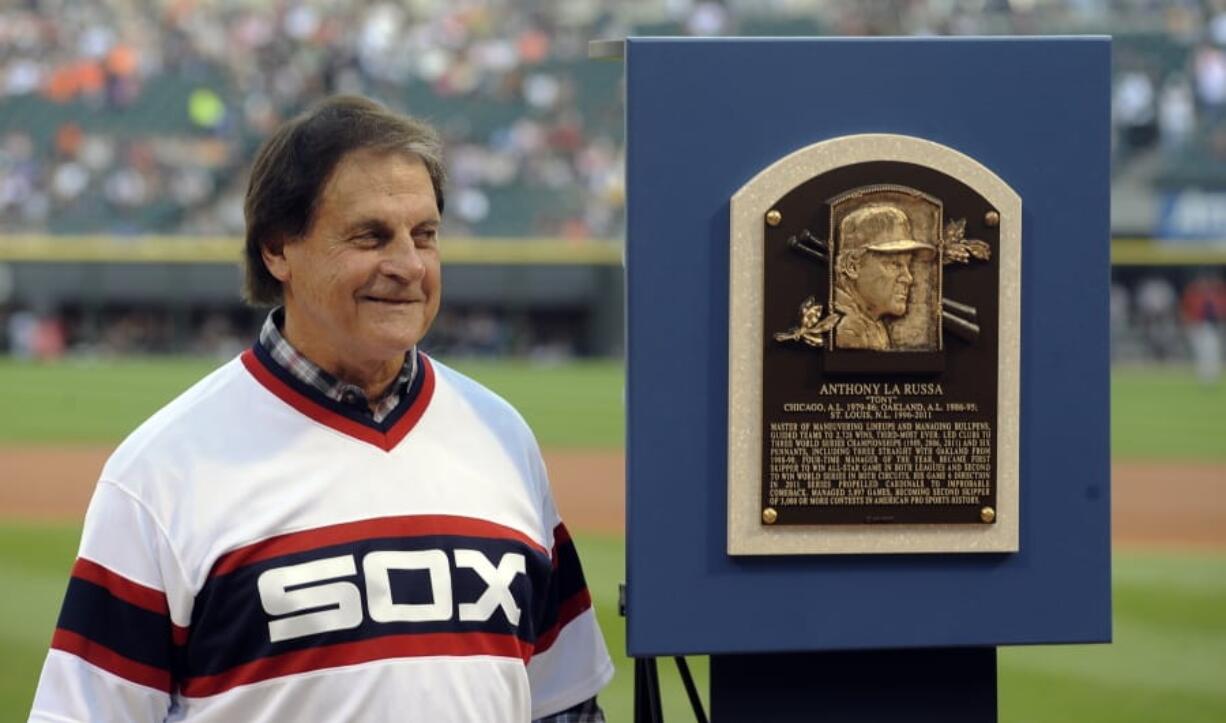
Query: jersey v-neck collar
{"points": [[312, 403]]}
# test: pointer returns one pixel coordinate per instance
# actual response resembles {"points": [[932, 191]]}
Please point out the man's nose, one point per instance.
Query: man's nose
{"points": [[906, 276], [402, 259]]}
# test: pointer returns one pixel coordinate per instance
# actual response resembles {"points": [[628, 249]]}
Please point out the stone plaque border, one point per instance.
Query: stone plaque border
{"points": [[747, 534]]}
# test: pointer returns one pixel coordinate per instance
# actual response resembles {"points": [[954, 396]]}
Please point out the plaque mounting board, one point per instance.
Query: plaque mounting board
{"points": [[703, 117], [748, 533]]}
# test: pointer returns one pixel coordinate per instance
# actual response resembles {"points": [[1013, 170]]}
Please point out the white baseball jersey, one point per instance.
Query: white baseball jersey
{"points": [[256, 552]]}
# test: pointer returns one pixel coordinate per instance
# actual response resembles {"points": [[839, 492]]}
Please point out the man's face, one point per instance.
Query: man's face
{"points": [[884, 282], [363, 285]]}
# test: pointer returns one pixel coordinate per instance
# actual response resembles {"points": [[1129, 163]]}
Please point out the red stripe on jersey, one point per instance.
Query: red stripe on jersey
{"points": [[404, 526], [103, 657], [341, 654], [121, 587], [315, 411], [571, 608], [329, 418], [409, 419]]}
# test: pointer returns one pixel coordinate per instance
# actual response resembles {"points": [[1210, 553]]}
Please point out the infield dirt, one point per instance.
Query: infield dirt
{"points": [[1154, 504]]}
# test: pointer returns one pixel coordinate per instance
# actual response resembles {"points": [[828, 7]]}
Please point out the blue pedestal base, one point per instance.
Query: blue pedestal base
{"points": [[945, 685]]}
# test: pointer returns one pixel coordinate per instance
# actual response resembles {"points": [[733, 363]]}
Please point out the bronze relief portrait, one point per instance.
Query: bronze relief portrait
{"points": [[886, 248], [879, 265]]}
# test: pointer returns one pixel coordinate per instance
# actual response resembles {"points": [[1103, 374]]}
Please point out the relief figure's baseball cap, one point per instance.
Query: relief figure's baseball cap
{"points": [[880, 227]]}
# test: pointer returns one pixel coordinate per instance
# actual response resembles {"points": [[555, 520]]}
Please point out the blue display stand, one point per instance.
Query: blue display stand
{"points": [[929, 685], [703, 117]]}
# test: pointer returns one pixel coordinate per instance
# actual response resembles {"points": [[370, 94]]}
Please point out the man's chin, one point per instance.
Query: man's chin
{"points": [[393, 327], [389, 339]]}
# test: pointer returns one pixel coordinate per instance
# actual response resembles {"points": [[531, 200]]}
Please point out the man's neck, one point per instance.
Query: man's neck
{"points": [[373, 376]]}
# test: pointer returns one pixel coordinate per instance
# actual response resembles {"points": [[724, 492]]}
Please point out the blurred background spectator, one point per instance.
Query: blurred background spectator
{"points": [[1204, 308]]}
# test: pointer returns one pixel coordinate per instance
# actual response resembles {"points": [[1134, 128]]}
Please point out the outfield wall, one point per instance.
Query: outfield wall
{"points": [[579, 281]]}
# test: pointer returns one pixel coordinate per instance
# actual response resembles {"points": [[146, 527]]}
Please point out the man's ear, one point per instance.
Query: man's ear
{"points": [[850, 268], [273, 254]]}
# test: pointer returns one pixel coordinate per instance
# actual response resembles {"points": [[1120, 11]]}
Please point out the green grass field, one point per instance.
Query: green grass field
{"points": [[570, 405], [1166, 414], [1155, 414], [1168, 661]]}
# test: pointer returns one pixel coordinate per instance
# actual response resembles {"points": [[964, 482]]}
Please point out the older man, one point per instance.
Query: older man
{"points": [[332, 526], [873, 275]]}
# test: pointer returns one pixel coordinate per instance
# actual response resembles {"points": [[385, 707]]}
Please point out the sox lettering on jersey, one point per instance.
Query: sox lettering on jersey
{"points": [[312, 597], [333, 596], [378, 588]]}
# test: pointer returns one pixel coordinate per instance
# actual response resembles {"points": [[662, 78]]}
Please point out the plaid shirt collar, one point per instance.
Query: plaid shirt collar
{"points": [[289, 358]]}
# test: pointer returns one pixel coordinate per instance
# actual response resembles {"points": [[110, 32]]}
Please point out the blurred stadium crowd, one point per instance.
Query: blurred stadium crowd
{"points": [[127, 116], [139, 116]]}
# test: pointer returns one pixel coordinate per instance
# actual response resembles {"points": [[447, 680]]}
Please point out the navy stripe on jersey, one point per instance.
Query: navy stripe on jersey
{"points": [[117, 625], [346, 411], [567, 596], [287, 606]]}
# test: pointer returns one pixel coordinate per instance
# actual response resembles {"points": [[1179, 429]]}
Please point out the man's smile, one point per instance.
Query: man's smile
{"points": [[390, 300]]}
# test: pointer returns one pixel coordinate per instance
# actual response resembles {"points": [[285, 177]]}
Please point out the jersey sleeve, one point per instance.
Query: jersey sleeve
{"points": [[570, 662], [115, 644]]}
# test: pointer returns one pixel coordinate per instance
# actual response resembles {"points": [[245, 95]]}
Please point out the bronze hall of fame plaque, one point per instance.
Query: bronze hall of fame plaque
{"points": [[874, 314]]}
